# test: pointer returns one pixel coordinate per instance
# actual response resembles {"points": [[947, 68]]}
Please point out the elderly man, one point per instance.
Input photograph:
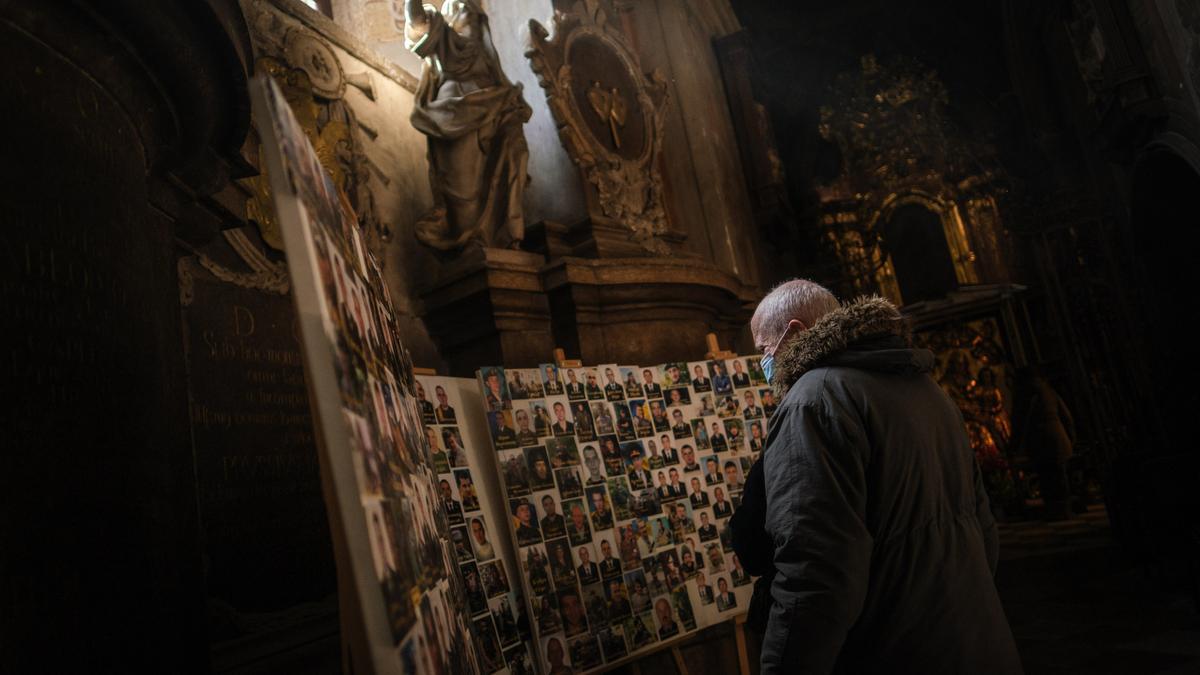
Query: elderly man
{"points": [[866, 514]]}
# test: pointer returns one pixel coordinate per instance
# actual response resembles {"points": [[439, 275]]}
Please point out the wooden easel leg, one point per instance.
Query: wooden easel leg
{"points": [[680, 665], [739, 629]]}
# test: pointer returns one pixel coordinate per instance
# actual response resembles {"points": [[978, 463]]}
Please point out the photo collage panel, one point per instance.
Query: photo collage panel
{"points": [[620, 481], [494, 599], [397, 487]]}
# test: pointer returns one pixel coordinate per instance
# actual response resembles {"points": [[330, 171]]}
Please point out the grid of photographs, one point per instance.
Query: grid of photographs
{"points": [[379, 419], [494, 599], [620, 481]]}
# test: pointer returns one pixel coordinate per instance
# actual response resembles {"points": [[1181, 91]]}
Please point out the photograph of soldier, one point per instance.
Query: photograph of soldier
{"points": [[653, 460], [613, 391], [733, 476], [586, 570], [610, 566], [536, 569], [545, 610], [681, 519], [585, 429], [476, 600], [633, 388], [612, 644], [683, 608], [738, 574], [574, 388], [562, 426], [712, 471], [639, 475], [721, 383], [645, 502], [706, 406], [621, 496], [625, 430], [552, 523], [700, 434], [675, 375], [495, 394], [700, 381], [610, 452], [526, 436], [726, 600], [665, 616], [768, 401], [556, 658], [601, 510], [466, 490], [638, 630], [679, 426], [495, 581], [593, 466], [677, 396], [479, 540], [658, 416], [716, 438], [618, 599], [562, 565], [602, 418], [585, 653], [757, 441], [424, 405], [518, 388], [627, 545], [707, 531], [462, 549], [562, 451], [639, 590], [579, 529], [444, 412], [568, 481], [551, 382], [650, 388], [574, 615], [728, 407], [489, 646], [503, 435], [540, 476], [441, 463], [453, 508], [541, 418], [597, 606], [688, 453], [592, 387], [704, 590], [735, 435], [670, 456], [750, 407], [642, 426], [506, 621], [721, 507], [516, 472], [456, 453], [740, 378], [523, 522]]}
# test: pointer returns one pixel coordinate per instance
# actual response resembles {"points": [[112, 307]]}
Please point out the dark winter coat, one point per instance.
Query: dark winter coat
{"points": [[878, 528]]}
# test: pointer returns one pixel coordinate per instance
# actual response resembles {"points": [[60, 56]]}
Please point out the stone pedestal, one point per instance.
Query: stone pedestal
{"points": [[643, 310], [489, 307]]}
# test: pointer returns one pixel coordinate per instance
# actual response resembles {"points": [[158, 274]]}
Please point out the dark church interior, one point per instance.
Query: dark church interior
{"points": [[1015, 176]]}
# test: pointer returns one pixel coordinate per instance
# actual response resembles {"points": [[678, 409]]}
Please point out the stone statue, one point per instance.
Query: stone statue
{"points": [[473, 116]]}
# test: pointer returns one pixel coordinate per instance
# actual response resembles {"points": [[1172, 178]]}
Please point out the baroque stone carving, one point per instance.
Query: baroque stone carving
{"points": [[899, 147], [312, 78], [610, 116], [473, 117]]}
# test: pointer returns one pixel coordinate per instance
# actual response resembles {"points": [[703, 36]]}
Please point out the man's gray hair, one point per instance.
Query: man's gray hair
{"points": [[796, 299]]}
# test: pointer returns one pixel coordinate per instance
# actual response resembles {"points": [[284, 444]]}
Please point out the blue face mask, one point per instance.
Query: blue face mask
{"points": [[768, 366]]}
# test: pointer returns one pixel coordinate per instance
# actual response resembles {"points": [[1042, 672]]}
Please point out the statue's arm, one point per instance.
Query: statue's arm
{"points": [[414, 14]]}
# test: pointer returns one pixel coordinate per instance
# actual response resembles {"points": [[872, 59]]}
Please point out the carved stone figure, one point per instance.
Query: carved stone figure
{"points": [[473, 116]]}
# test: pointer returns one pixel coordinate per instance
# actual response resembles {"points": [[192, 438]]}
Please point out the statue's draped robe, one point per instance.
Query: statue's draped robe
{"points": [[473, 117]]}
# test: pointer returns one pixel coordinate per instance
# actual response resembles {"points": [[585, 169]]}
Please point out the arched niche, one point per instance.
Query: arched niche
{"points": [[923, 247]]}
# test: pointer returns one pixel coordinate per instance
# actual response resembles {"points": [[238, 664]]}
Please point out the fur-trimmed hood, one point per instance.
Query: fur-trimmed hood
{"points": [[866, 319]]}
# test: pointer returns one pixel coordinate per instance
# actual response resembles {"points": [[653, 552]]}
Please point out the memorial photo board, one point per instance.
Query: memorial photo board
{"points": [[619, 482], [401, 591], [469, 490]]}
